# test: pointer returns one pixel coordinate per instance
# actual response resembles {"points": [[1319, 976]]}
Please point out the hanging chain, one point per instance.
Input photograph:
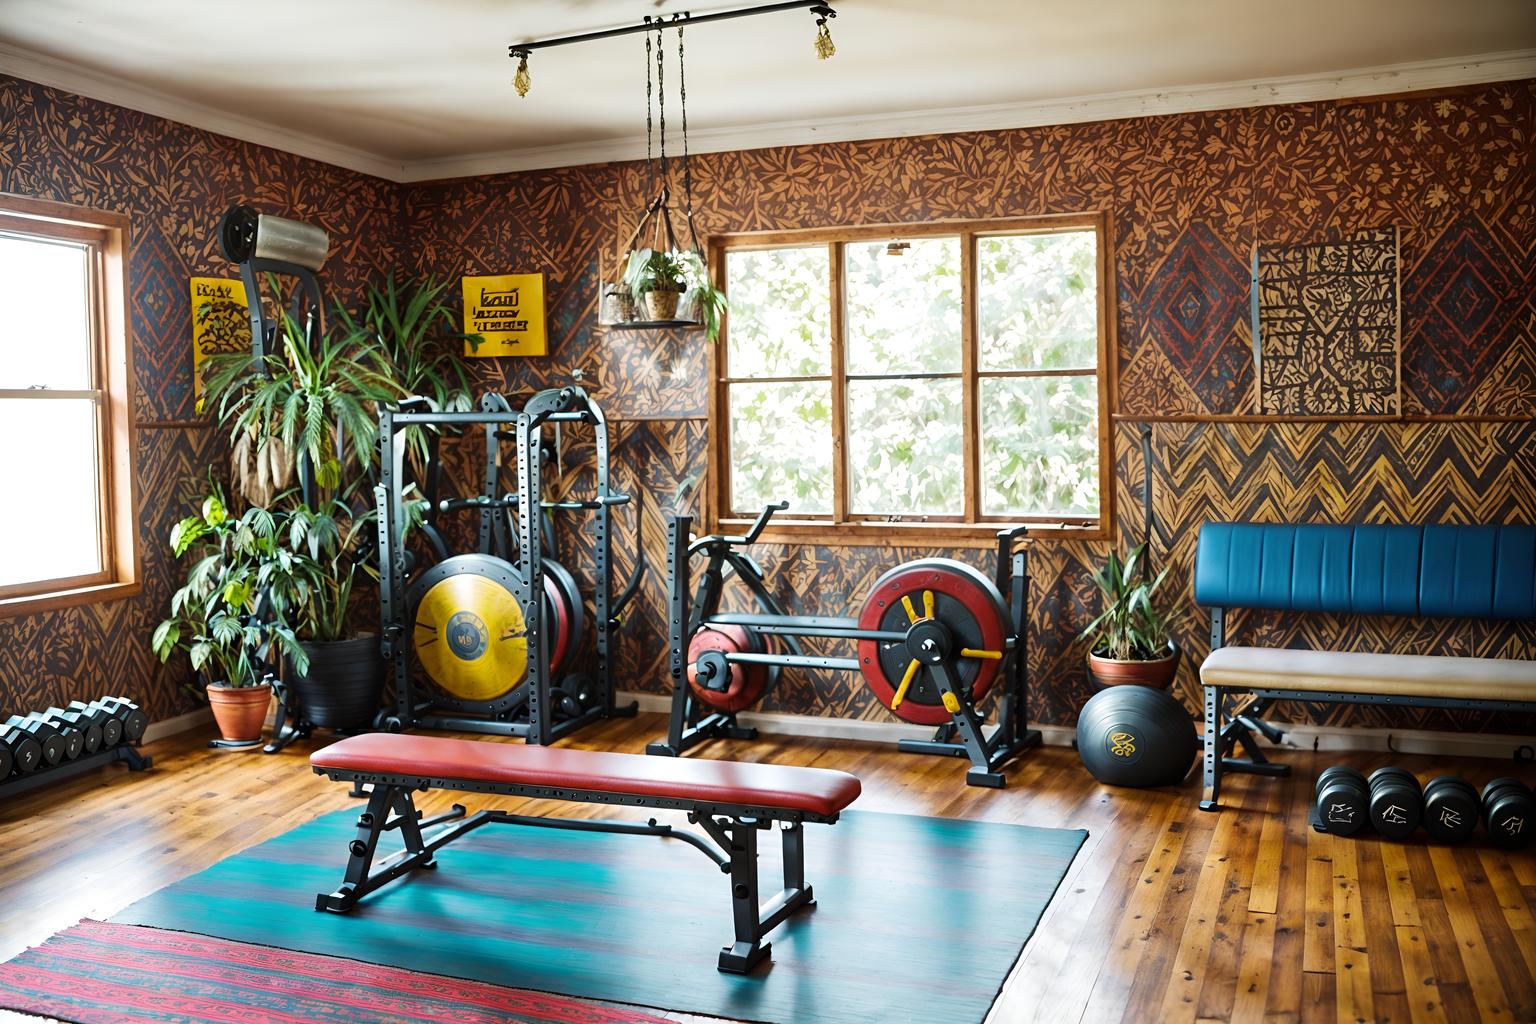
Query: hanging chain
{"points": [[650, 168], [682, 96], [661, 101]]}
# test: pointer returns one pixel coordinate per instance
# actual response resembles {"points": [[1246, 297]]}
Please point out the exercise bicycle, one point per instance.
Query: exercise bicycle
{"points": [[932, 639]]}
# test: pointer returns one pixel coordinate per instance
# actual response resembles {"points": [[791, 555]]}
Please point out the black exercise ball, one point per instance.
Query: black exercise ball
{"points": [[1135, 736]]}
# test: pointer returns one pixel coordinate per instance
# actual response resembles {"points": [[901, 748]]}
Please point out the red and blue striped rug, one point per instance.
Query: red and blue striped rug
{"points": [[99, 973]]}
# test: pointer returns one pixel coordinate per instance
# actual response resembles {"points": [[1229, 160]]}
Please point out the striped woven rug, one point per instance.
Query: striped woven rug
{"points": [[99, 973]]}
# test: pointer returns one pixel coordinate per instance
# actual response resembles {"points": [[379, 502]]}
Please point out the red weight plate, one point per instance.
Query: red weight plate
{"points": [[747, 682], [560, 620], [984, 613]]}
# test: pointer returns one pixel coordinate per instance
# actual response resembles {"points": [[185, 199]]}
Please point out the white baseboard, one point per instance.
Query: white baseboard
{"points": [[181, 723], [1297, 737]]}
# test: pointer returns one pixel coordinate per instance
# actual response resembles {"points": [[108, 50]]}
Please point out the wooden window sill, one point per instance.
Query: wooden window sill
{"points": [[34, 604], [868, 533]]}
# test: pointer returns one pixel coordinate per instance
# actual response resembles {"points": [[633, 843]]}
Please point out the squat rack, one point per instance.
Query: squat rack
{"points": [[570, 404]]}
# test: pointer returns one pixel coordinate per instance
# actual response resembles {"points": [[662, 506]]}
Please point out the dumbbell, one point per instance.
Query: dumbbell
{"points": [[1508, 810], [1451, 808], [126, 711], [52, 743], [88, 728], [23, 749], [1397, 802], [72, 739], [1343, 800], [111, 728]]}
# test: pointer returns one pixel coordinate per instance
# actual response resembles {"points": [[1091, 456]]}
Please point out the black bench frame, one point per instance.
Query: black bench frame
{"points": [[1226, 729], [731, 828]]}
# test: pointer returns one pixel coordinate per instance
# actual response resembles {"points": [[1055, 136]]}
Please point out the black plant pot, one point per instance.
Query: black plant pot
{"points": [[344, 684]]}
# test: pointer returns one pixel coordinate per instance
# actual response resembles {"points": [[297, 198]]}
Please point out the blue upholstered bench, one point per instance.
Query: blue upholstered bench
{"points": [[1465, 572]]}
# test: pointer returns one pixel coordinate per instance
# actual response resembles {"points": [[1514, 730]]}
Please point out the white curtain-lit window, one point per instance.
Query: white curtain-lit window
{"points": [[52, 510]]}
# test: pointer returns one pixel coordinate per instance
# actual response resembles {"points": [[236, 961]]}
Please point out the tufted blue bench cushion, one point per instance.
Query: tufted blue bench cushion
{"points": [[1471, 572]]}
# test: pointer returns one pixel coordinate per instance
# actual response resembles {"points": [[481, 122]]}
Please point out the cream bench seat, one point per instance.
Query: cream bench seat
{"points": [[1435, 571]]}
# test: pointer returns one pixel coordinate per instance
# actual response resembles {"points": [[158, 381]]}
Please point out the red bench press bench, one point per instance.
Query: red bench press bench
{"points": [[730, 800]]}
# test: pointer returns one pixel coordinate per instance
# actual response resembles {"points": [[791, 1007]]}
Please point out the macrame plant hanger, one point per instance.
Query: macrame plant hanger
{"points": [[657, 214]]}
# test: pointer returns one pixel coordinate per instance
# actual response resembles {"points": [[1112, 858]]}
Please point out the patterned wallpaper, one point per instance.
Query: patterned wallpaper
{"points": [[174, 182], [1188, 195]]}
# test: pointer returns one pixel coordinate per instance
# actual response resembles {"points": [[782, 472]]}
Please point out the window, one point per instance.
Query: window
{"points": [[66, 523], [943, 377]]}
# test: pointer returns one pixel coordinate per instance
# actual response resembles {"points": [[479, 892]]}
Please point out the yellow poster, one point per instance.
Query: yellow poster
{"points": [[507, 310], [220, 323]]}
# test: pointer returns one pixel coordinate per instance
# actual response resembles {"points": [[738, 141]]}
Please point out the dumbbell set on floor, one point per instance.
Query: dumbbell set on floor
{"points": [[45, 739], [1395, 805]]}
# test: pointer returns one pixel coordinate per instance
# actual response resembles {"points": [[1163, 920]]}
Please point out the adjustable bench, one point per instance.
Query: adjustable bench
{"points": [[730, 800], [1468, 572]]}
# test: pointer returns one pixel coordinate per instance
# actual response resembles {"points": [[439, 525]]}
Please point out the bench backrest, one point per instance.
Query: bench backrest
{"points": [[1470, 572]]}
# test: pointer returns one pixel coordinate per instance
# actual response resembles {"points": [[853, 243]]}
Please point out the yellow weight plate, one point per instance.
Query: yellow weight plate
{"points": [[471, 637]]}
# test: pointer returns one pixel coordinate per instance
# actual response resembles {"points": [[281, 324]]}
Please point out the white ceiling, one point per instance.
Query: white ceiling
{"points": [[411, 89]]}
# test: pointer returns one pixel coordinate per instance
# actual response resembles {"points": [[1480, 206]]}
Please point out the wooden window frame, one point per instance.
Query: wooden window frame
{"points": [[971, 530], [106, 234]]}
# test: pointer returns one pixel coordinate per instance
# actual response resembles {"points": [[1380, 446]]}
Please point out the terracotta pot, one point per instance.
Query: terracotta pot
{"points": [[1155, 674], [663, 305], [240, 711]]}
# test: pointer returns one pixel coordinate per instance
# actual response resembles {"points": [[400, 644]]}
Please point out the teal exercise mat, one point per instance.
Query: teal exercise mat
{"points": [[917, 920]]}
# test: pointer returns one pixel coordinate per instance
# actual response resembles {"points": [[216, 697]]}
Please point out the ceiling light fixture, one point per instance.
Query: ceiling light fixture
{"points": [[824, 46]]}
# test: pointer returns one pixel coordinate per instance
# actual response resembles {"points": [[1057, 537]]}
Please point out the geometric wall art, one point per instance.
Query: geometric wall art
{"points": [[1327, 330]]}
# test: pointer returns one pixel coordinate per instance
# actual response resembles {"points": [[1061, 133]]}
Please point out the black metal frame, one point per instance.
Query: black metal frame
{"points": [[690, 724], [47, 776], [685, 19], [1226, 728], [731, 830], [501, 716]]}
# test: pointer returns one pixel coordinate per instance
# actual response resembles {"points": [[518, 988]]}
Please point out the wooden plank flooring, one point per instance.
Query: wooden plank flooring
{"points": [[1167, 914]]}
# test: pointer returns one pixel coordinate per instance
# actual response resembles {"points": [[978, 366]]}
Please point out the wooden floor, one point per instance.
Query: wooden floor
{"points": [[1168, 913]]}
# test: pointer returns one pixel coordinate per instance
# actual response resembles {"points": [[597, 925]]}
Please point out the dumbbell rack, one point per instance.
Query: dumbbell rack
{"points": [[117, 710], [19, 784]]}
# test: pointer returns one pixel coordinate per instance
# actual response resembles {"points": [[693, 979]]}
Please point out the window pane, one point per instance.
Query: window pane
{"points": [[903, 311], [45, 337], [780, 318], [904, 442], [49, 528], [1040, 445], [1038, 301], [781, 446]]}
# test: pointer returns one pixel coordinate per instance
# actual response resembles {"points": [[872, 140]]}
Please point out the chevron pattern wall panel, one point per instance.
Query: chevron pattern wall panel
{"points": [[1189, 196], [174, 182]]}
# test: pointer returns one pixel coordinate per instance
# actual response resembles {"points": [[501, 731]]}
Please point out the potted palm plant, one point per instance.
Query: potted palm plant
{"points": [[341, 685], [419, 346], [1130, 640], [661, 277], [230, 616]]}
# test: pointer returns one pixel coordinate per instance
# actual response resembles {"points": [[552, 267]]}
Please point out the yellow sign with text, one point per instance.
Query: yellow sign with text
{"points": [[220, 324], [507, 310]]}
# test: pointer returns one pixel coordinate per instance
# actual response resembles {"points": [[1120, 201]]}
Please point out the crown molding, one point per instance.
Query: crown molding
{"points": [[1357, 83], [1258, 92], [96, 85]]}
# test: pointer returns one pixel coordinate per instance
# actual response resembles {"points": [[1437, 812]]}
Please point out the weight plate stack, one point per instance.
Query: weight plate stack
{"points": [[571, 613], [1508, 807], [1397, 802], [1343, 799], [1451, 809], [745, 683], [969, 606]]}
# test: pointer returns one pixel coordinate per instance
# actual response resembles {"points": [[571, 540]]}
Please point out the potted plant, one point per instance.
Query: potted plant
{"points": [[660, 278], [230, 614], [308, 404], [419, 347], [341, 686], [1130, 641]]}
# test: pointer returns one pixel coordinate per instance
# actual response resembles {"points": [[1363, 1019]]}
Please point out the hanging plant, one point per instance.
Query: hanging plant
{"points": [[662, 277]]}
